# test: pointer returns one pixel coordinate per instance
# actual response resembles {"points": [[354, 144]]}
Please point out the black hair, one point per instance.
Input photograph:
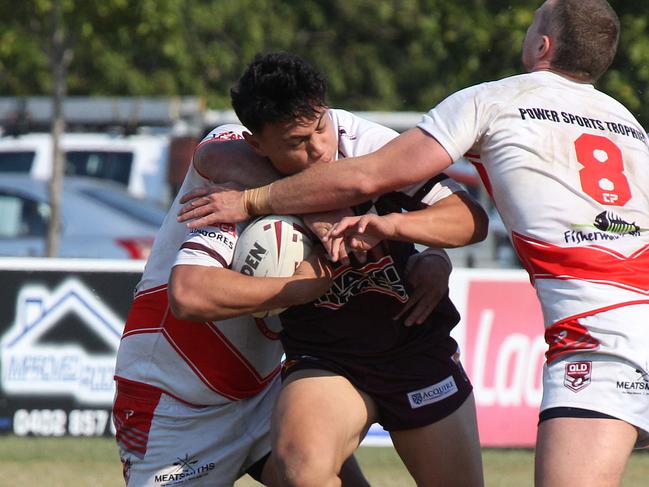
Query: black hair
{"points": [[278, 87]]}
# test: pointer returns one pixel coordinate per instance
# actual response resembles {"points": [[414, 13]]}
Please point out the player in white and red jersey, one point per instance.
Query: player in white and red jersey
{"points": [[196, 374], [568, 169], [192, 360]]}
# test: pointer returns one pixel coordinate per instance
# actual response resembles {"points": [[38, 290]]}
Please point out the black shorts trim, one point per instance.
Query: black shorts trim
{"points": [[568, 412], [257, 468]]}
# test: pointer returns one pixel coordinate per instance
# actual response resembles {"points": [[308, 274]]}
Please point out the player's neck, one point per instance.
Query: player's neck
{"points": [[564, 74]]}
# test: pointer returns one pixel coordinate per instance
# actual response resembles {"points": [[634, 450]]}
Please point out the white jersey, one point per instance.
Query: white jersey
{"points": [[201, 363], [568, 169], [216, 362]]}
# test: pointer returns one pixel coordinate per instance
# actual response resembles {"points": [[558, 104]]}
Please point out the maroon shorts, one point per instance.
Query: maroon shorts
{"points": [[409, 392]]}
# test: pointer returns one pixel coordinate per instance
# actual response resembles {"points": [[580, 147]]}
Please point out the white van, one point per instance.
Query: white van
{"points": [[139, 162]]}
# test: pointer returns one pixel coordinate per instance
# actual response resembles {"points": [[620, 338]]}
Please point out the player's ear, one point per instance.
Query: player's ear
{"points": [[254, 142], [544, 47]]}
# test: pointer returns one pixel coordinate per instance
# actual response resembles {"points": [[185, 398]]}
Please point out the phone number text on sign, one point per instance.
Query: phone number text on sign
{"points": [[59, 422]]}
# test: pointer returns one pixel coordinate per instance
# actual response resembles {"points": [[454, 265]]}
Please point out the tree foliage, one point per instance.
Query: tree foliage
{"points": [[377, 54]]}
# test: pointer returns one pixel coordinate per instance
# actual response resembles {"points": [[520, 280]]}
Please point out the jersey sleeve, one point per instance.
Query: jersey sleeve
{"points": [[228, 131], [211, 246], [458, 122], [358, 136], [433, 190]]}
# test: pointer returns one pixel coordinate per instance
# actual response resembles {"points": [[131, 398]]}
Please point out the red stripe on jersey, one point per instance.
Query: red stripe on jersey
{"points": [[482, 172], [202, 248], [568, 336], [132, 414], [202, 346], [591, 263], [151, 290], [147, 314]]}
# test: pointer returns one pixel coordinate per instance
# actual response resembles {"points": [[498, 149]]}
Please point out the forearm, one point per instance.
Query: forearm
{"points": [[452, 222], [408, 159], [207, 294]]}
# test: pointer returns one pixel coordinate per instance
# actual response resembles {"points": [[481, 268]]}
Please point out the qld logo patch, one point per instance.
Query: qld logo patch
{"points": [[577, 375], [433, 393]]}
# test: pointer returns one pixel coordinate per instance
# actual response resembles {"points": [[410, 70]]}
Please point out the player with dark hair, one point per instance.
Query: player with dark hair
{"points": [[197, 376], [555, 154], [349, 362]]}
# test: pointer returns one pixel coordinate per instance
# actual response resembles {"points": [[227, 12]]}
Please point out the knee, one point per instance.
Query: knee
{"points": [[305, 466]]}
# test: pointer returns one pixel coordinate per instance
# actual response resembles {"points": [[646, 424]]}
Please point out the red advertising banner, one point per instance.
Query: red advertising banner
{"points": [[504, 355]]}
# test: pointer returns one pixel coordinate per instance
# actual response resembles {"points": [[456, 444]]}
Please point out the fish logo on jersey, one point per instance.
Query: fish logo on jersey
{"points": [[608, 221], [609, 225]]}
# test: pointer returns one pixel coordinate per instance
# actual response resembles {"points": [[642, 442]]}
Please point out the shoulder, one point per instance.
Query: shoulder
{"points": [[224, 156], [496, 91], [206, 153]]}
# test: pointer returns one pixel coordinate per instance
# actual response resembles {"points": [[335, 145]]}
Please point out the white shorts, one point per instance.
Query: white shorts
{"points": [[607, 380], [165, 442]]}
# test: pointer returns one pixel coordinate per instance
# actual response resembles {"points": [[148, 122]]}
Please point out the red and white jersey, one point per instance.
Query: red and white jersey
{"points": [[568, 169], [215, 362], [201, 363]]}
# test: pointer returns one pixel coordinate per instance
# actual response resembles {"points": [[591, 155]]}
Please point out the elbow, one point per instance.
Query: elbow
{"points": [[361, 184], [366, 188], [481, 227], [473, 228], [187, 302], [183, 305], [480, 224]]}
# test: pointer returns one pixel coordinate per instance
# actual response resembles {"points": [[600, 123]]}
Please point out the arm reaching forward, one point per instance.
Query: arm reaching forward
{"points": [[411, 157], [455, 221]]}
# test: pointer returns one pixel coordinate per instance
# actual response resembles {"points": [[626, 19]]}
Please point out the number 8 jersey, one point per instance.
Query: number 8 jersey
{"points": [[568, 170]]}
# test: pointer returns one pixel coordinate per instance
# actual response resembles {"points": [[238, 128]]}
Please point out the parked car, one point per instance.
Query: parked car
{"points": [[139, 162], [99, 219]]}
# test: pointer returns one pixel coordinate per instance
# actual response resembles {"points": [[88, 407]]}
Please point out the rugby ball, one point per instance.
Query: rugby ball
{"points": [[271, 246]]}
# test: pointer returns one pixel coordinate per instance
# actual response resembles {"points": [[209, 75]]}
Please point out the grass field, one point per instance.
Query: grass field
{"points": [[93, 462]]}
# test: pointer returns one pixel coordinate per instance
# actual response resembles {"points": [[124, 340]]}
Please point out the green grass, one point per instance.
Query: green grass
{"points": [[93, 462]]}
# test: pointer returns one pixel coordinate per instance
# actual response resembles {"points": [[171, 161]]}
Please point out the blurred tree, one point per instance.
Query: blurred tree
{"points": [[377, 54]]}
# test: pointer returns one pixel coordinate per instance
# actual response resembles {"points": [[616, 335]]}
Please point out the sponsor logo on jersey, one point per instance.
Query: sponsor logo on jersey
{"points": [[213, 235], [634, 387], [228, 228], [577, 375], [432, 394], [184, 469], [608, 226], [342, 132], [544, 114], [229, 135], [610, 222], [380, 276]]}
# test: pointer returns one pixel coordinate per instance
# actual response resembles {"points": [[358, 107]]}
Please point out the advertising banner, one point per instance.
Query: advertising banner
{"points": [[61, 322], [60, 326]]}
